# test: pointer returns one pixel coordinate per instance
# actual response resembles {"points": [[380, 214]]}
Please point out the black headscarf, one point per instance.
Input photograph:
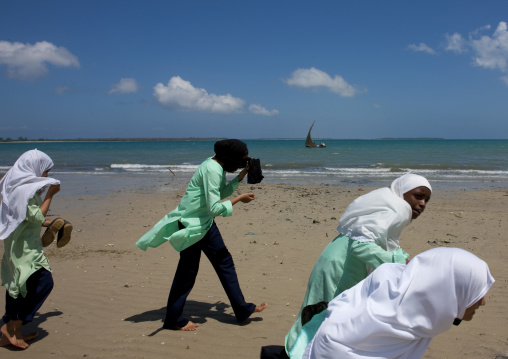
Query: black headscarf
{"points": [[231, 153]]}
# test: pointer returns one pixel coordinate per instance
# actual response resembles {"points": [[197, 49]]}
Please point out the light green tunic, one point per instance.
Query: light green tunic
{"points": [[341, 265], [196, 210], [23, 254]]}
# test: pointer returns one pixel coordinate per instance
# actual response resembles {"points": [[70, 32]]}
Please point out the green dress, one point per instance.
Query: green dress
{"points": [[196, 211], [341, 265], [23, 254]]}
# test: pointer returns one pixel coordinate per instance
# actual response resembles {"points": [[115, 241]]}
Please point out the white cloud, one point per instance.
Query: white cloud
{"points": [[60, 90], [455, 43], [126, 85], [492, 52], [316, 78], [260, 110], [28, 62], [477, 32], [422, 47], [181, 95]]}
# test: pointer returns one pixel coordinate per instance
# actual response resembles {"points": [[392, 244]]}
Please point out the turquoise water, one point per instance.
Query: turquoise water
{"points": [[464, 163]]}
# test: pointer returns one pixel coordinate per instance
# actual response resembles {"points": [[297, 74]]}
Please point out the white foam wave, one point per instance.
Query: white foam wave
{"points": [[93, 173], [324, 173], [386, 173], [134, 167]]}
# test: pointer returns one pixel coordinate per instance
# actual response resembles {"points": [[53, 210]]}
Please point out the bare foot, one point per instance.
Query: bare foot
{"points": [[261, 307], [190, 326], [258, 309], [11, 334], [5, 342]]}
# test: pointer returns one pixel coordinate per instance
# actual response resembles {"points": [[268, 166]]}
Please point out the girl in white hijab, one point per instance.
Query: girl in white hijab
{"points": [[19, 185], [25, 270], [369, 236], [397, 310]]}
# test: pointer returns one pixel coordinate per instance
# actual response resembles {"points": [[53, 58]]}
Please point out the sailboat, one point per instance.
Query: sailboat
{"points": [[309, 142]]}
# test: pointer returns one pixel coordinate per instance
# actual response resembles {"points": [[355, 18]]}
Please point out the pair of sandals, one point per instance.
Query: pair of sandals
{"points": [[59, 228]]}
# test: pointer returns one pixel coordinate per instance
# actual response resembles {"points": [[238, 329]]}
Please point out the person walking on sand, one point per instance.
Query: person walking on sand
{"points": [[397, 310], [191, 228], [25, 270], [369, 236]]}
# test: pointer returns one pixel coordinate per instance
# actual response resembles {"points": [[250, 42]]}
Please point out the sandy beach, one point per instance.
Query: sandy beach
{"points": [[109, 297]]}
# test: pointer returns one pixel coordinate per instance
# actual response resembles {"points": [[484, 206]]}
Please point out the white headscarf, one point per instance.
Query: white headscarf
{"points": [[408, 182], [380, 216], [19, 185], [398, 309]]}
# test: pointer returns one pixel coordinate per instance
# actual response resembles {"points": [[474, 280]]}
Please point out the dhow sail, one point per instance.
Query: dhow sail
{"points": [[308, 141]]}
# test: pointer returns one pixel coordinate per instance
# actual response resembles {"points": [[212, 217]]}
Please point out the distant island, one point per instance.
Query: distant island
{"points": [[147, 139], [152, 139], [409, 138]]}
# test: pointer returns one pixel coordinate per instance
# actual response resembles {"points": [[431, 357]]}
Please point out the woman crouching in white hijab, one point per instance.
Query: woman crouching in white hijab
{"points": [[398, 309], [369, 236], [26, 274]]}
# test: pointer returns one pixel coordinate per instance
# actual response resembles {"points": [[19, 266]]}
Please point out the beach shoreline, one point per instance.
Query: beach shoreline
{"points": [[448, 164], [109, 297]]}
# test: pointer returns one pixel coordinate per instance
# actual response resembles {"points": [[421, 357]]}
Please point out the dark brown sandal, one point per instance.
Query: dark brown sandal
{"points": [[49, 236], [64, 234]]}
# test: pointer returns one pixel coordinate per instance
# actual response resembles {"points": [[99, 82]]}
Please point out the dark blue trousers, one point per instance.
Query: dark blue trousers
{"points": [[38, 285], [214, 248], [274, 352]]}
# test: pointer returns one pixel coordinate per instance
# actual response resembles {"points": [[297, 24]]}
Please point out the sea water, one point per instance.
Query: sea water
{"points": [[101, 167]]}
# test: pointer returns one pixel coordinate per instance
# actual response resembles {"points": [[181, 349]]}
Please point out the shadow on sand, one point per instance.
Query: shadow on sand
{"points": [[197, 312]]}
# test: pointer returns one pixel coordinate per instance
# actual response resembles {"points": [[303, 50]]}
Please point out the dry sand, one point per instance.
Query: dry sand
{"points": [[109, 297]]}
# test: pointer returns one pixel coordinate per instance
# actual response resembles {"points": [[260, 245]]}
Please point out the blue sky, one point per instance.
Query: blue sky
{"points": [[253, 69]]}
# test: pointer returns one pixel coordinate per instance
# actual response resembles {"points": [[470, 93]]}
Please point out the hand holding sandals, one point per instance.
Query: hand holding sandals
{"points": [[59, 228]]}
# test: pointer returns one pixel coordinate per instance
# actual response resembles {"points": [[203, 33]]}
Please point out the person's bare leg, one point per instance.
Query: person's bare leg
{"points": [[190, 326], [11, 334]]}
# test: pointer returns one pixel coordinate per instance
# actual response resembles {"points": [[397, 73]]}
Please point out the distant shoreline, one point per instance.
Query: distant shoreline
{"points": [[148, 139], [410, 138], [111, 140]]}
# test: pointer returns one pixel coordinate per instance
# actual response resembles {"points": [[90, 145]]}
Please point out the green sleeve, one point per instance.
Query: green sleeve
{"points": [[212, 184], [373, 255], [33, 212], [400, 256], [228, 189]]}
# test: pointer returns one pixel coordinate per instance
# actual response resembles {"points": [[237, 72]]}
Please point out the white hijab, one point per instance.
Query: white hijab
{"points": [[408, 182], [381, 215], [19, 185], [398, 309]]}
